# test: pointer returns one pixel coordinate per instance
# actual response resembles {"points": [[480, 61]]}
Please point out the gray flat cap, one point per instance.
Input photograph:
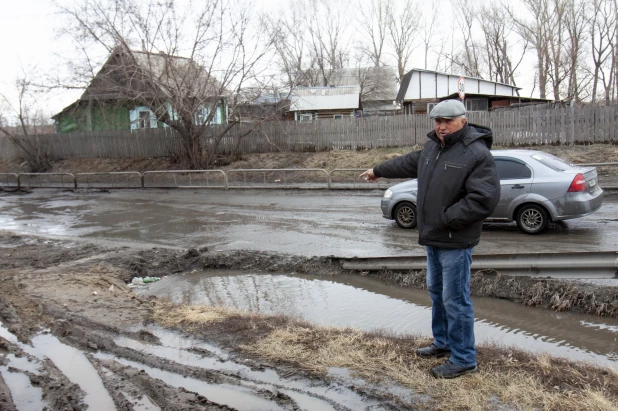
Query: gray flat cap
{"points": [[448, 109]]}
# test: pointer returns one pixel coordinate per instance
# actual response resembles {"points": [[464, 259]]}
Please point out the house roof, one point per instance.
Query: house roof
{"points": [[325, 98], [440, 85], [133, 75], [496, 97], [377, 83]]}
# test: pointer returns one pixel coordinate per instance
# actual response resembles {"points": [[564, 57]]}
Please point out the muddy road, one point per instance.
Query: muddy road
{"points": [[316, 223], [241, 273]]}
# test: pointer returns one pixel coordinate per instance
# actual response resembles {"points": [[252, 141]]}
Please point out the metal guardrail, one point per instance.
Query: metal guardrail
{"points": [[66, 180], [188, 179], [5, 180], [132, 179], [276, 178], [355, 183], [602, 264], [270, 178]]}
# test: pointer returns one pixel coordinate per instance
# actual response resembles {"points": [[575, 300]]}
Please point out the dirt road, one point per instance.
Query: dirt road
{"points": [[65, 303]]}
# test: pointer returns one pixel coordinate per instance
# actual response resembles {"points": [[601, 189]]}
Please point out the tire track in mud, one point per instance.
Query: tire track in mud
{"points": [[71, 294]]}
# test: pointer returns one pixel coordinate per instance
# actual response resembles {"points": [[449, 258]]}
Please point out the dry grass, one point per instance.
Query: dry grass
{"points": [[328, 160], [192, 316], [508, 379]]}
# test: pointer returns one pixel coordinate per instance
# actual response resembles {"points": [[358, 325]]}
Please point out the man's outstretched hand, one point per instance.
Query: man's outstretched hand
{"points": [[368, 175]]}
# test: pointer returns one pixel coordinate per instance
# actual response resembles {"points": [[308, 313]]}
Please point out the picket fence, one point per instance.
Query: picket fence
{"points": [[514, 127]]}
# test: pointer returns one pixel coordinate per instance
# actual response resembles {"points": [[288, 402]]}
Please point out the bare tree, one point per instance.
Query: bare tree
{"points": [[403, 24], [20, 119], [328, 48], [537, 33], [182, 64], [558, 62], [497, 29], [289, 33], [469, 58], [602, 34], [576, 23], [427, 32], [374, 17]]}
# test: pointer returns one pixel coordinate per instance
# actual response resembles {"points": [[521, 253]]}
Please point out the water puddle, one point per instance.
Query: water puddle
{"points": [[237, 397], [76, 367], [69, 360], [368, 304], [26, 397], [175, 348]]}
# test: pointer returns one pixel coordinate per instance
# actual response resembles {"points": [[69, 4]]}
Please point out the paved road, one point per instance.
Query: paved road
{"points": [[339, 223]]}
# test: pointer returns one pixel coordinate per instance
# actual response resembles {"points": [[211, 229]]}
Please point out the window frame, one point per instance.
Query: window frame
{"points": [[516, 161]]}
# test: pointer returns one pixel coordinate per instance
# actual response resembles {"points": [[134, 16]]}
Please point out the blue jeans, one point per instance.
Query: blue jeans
{"points": [[452, 314]]}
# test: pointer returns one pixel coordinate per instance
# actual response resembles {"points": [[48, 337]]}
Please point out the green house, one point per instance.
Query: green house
{"points": [[139, 90]]}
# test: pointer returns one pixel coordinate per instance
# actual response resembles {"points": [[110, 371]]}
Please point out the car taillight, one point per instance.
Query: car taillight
{"points": [[578, 185]]}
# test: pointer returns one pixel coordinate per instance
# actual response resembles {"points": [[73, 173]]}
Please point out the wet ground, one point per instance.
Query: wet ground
{"points": [[366, 303], [73, 335], [343, 223]]}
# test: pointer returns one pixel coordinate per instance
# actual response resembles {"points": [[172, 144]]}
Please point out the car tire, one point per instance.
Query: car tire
{"points": [[532, 219], [405, 215]]}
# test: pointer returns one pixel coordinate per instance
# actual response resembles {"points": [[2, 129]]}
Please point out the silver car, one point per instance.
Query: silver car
{"points": [[536, 188]]}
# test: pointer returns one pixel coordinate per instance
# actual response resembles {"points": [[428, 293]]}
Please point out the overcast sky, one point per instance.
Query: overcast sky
{"points": [[28, 29]]}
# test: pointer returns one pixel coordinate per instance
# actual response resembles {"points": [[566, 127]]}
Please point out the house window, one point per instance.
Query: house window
{"points": [[201, 116], [477, 105], [306, 117], [143, 120], [338, 117], [430, 107]]}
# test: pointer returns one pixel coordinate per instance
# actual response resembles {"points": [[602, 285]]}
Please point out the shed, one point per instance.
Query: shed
{"points": [[331, 102], [421, 89]]}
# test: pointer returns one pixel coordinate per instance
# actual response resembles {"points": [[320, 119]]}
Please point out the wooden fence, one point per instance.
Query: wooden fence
{"points": [[515, 127]]}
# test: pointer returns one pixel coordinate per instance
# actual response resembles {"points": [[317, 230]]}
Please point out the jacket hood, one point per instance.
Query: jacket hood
{"points": [[469, 134], [475, 132]]}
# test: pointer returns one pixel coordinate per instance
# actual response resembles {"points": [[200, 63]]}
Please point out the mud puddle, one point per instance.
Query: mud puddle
{"points": [[177, 348], [243, 387], [26, 397], [69, 360], [368, 304]]}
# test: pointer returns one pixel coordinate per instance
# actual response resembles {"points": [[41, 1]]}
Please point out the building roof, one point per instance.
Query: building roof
{"points": [[522, 99], [133, 75], [376, 83], [325, 98], [418, 84]]}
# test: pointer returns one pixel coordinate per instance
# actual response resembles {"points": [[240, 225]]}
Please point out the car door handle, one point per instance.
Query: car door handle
{"points": [[517, 186]]}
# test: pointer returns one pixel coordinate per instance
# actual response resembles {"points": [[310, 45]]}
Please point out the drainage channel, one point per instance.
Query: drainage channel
{"points": [[557, 265]]}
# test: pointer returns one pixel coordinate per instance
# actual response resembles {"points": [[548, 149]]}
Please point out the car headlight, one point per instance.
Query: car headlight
{"points": [[388, 194]]}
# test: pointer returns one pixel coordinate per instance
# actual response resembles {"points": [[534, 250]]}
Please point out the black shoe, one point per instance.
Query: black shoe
{"points": [[450, 370], [432, 352]]}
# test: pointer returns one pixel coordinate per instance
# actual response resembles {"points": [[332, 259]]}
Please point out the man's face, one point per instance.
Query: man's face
{"points": [[445, 126]]}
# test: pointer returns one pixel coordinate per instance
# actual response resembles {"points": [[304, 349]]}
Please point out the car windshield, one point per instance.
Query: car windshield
{"points": [[552, 161]]}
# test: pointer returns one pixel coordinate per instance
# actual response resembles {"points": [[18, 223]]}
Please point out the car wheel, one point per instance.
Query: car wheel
{"points": [[405, 215], [532, 219]]}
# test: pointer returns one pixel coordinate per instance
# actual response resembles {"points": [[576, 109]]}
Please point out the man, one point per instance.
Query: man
{"points": [[458, 187]]}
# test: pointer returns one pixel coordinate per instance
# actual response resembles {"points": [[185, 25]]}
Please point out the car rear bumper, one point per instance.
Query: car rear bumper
{"points": [[575, 205]]}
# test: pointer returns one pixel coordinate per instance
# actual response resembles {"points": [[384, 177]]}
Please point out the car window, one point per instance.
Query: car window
{"points": [[509, 169], [552, 162]]}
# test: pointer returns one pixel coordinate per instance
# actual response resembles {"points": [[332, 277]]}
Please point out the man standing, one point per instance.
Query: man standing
{"points": [[458, 187]]}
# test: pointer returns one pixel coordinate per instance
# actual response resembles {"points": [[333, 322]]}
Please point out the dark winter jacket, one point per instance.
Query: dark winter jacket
{"points": [[458, 185]]}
